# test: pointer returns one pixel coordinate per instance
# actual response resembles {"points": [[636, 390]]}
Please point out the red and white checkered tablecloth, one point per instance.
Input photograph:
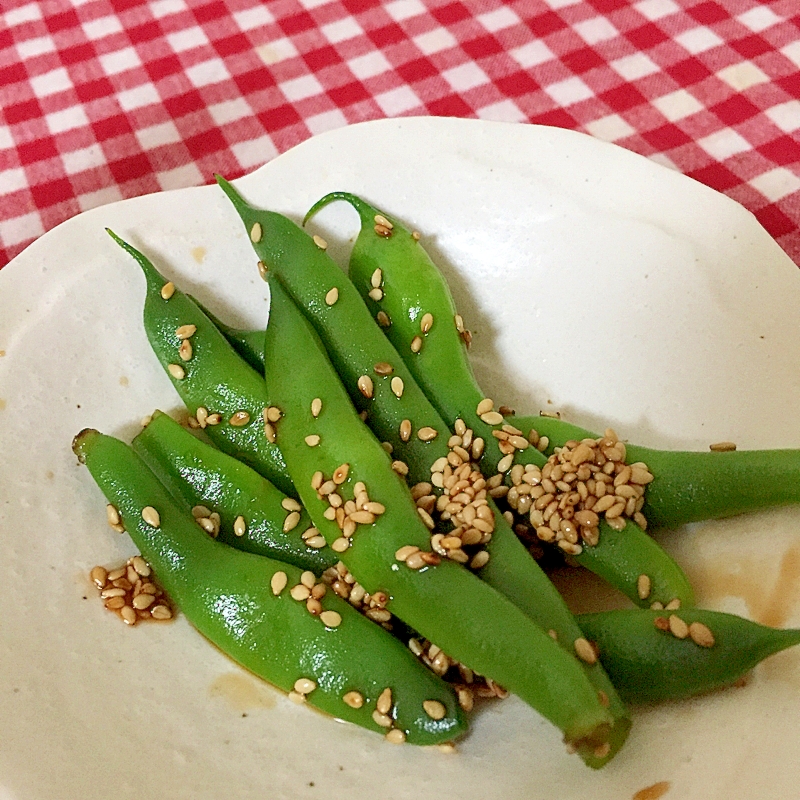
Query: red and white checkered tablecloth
{"points": [[106, 99]]}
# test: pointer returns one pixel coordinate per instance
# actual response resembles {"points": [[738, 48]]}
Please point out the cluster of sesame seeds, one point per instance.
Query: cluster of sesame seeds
{"points": [[203, 418], [309, 591], [210, 521], [130, 591], [698, 632], [466, 335], [382, 226], [301, 689], [348, 514], [581, 483], [184, 335], [271, 415], [114, 519], [344, 584], [468, 684]]}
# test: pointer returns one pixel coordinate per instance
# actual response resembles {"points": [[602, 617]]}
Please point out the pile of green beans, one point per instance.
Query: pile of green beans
{"points": [[302, 420]]}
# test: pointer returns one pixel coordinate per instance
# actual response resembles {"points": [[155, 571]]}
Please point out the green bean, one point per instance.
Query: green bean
{"points": [[242, 603], [414, 299], [367, 515], [691, 486], [253, 515], [211, 379], [658, 655]]}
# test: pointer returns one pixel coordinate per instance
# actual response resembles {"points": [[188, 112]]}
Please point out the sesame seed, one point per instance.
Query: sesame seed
{"points": [[316, 407], [492, 417], [678, 628], [214, 419], [140, 566], [161, 612], [312, 440], [177, 371], [384, 720], [239, 419], [427, 434], [316, 482], [480, 559], [416, 344], [112, 515], [383, 230], [376, 295], [270, 433], [239, 526], [643, 586], [167, 290], [353, 699], [255, 233], [262, 270], [384, 702], [404, 552], [405, 430], [485, 405], [316, 542], [722, 447], [383, 319], [128, 615], [332, 296], [185, 350], [331, 619], [340, 545], [291, 522], [701, 634], [381, 220], [400, 467], [376, 279], [505, 463], [151, 517], [383, 368], [434, 709], [673, 604], [186, 331], [278, 582], [143, 601], [426, 323], [304, 685], [296, 697], [300, 593], [585, 651], [320, 242], [416, 235], [340, 474], [273, 414], [365, 386], [397, 386]]}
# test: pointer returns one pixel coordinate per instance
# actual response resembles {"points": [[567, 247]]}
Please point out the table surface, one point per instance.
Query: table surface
{"points": [[107, 99]]}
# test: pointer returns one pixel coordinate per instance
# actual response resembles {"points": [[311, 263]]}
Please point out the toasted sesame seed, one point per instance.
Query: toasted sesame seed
{"points": [[143, 601], [151, 517], [112, 515], [340, 474], [383, 230], [316, 542], [296, 697], [485, 405], [434, 709], [167, 290], [185, 350], [480, 559], [585, 651], [304, 685], [331, 619], [426, 323], [427, 434], [459, 323], [492, 417], [186, 331], [722, 447], [300, 593], [416, 344], [416, 235], [161, 612], [383, 319], [320, 242], [332, 296], [701, 634], [312, 440], [140, 566], [643, 586], [291, 521], [400, 467], [255, 233], [239, 419], [177, 371], [381, 220], [239, 526], [678, 628], [383, 368], [316, 407], [262, 270], [99, 576], [405, 430], [278, 582], [673, 604], [353, 699], [376, 295], [404, 552], [214, 419], [340, 545], [505, 463], [365, 386], [384, 720], [384, 702], [397, 386], [128, 615]]}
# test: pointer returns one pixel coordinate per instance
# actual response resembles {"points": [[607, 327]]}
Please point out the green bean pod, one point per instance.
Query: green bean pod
{"points": [[208, 374], [241, 603], [690, 486], [366, 513], [649, 663], [357, 349], [397, 279], [254, 515], [248, 343]]}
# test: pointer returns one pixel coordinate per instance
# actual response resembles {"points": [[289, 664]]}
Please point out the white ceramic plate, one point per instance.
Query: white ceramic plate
{"points": [[595, 282]]}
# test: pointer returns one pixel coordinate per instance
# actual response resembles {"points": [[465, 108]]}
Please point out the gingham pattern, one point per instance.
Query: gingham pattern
{"points": [[106, 99]]}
